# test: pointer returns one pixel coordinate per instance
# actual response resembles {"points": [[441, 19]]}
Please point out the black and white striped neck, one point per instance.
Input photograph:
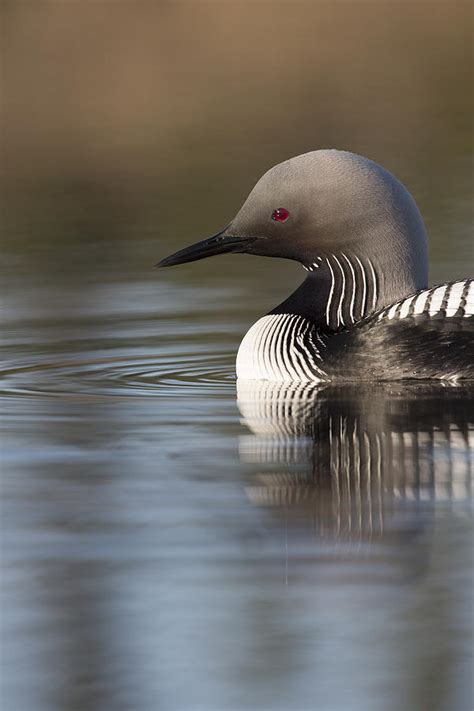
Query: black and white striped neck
{"points": [[341, 290], [353, 291]]}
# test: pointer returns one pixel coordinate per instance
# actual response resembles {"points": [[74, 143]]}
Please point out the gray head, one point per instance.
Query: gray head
{"points": [[325, 203]]}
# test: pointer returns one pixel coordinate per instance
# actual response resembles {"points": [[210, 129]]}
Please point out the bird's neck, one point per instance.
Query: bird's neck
{"points": [[343, 289]]}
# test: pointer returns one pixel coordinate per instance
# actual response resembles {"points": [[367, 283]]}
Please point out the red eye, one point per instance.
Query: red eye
{"points": [[281, 214]]}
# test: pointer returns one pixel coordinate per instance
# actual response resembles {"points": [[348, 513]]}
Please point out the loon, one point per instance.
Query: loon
{"points": [[364, 311]]}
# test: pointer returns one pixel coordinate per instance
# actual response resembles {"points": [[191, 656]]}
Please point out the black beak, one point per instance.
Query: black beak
{"points": [[217, 244]]}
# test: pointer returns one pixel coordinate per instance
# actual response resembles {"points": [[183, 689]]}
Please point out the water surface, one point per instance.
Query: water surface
{"points": [[171, 535]]}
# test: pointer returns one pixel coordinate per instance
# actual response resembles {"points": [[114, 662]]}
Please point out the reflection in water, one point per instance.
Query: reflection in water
{"points": [[361, 462]]}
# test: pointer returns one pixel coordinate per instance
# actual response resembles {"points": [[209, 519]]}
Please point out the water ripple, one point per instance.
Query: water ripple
{"points": [[173, 374]]}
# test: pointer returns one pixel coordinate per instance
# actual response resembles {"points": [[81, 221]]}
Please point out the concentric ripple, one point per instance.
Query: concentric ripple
{"points": [[173, 374]]}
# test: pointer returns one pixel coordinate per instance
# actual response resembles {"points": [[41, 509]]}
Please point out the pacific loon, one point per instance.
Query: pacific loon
{"points": [[364, 311]]}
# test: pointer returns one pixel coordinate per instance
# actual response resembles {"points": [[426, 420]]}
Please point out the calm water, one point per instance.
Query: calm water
{"points": [[172, 540]]}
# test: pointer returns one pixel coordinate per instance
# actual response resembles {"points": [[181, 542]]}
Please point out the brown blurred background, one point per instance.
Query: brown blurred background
{"points": [[140, 119]]}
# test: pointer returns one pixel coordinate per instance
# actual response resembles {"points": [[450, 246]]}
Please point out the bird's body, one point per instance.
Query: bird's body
{"points": [[365, 311], [428, 335]]}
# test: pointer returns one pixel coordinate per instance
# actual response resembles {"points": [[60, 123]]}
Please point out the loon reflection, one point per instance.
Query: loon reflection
{"points": [[363, 463]]}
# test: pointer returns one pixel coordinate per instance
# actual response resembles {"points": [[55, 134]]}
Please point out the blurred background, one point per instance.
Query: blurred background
{"points": [[132, 120], [146, 564]]}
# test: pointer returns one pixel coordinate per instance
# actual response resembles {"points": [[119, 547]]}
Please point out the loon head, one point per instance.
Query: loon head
{"points": [[325, 204]]}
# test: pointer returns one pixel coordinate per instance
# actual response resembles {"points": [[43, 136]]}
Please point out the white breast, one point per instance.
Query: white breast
{"points": [[281, 347]]}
